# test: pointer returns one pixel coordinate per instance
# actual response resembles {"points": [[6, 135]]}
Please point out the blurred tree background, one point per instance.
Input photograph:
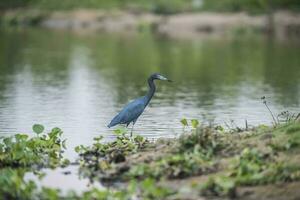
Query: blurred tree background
{"points": [[157, 6]]}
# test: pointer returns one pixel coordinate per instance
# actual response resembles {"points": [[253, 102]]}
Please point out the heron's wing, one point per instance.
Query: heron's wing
{"points": [[133, 110], [129, 113]]}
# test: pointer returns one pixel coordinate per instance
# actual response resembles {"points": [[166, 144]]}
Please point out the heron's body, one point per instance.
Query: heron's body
{"points": [[132, 111]]}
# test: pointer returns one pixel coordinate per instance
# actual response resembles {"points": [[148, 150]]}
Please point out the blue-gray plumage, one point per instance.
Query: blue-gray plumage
{"points": [[134, 109]]}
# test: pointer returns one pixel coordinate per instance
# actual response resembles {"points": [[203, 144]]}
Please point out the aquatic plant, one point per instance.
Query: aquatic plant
{"points": [[192, 154], [100, 156], [251, 167], [145, 170], [172, 166], [41, 150], [122, 146], [287, 137], [13, 185], [205, 140]]}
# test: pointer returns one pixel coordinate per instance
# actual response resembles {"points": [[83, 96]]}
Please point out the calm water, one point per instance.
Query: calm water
{"points": [[78, 82]]}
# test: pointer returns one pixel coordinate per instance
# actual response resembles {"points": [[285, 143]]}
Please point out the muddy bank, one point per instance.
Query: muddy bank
{"points": [[186, 25], [203, 163]]}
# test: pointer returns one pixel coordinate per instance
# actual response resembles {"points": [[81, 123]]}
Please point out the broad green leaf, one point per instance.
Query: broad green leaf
{"points": [[195, 123], [97, 139], [77, 149], [119, 131], [21, 137], [184, 122], [38, 128]]}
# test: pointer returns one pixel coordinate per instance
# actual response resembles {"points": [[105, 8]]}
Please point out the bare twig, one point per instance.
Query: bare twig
{"points": [[265, 102]]}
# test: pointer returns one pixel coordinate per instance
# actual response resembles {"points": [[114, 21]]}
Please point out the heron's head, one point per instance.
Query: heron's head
{"points": [[159, 77]]}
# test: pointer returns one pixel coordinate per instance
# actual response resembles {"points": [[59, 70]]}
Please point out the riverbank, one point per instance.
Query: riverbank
{"points": [[203, 163], [281, 24]]}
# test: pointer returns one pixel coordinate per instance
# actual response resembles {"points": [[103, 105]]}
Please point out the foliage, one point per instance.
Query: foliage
{"points": [[42, 150], [146, 189], [219, 186], [206, 140], [122, 146], [100, 156], [203, 150], [150, 190], [157, 6], [184, 122], [288, 137], [13, 185], [195, 123], [253, 6], [284, 117], [192, 154], [251, 167], [173, 166]]}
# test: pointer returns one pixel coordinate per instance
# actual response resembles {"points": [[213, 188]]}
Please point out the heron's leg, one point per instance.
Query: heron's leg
{"points": [[131, 129]]}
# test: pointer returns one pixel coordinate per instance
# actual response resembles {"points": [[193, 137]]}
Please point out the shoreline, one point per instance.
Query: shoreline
{"points": [[281, 25], [205, 162]]}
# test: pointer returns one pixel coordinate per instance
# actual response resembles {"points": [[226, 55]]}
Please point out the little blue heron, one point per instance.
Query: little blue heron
{"points": [[134, 109]]}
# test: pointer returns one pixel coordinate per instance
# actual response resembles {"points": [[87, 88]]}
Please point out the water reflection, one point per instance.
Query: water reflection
{"points": [[79, 82], [68, 180]]}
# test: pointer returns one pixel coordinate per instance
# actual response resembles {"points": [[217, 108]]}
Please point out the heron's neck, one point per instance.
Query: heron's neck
{"points": [[151, 90]]}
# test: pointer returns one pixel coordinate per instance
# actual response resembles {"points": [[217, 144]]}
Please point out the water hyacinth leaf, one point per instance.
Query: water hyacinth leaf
{"points": [[21, 137], [184, 122], [65, 162], [7, 141], [220, 128], [22, 151], [104, 165], [77, 149], [226, 183], [55, 132], [195, 123], [64, 144], [97, 139], [38, 128], [120, 131]]}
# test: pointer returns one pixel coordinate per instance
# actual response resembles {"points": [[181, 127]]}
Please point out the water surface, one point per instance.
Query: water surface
{"points": [[78, 82]]}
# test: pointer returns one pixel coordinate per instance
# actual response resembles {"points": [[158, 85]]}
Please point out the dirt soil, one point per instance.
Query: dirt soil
{"points": [[283, 24]]}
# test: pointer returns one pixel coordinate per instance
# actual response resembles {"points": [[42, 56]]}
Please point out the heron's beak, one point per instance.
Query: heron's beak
{"points": [[164, 79]]}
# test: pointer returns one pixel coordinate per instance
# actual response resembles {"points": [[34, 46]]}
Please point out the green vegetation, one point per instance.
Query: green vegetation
{"points": [[156, 6], [13, 186], [253, 6], [21, 153], [260, 165], [209, 161], [230, 159], [43, 150], [251, 168], [100, 157]]}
